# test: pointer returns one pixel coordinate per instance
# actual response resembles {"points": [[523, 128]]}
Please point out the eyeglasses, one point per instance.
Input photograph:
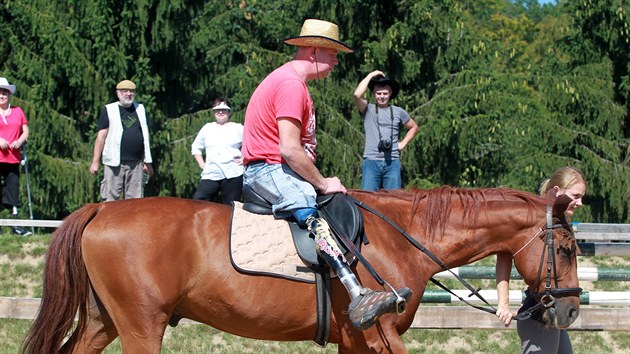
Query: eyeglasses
{"points": [[221, 111], [126, 91], [5, 93]]}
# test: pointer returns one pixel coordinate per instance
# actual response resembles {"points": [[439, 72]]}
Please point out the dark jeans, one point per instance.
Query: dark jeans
{"points": [[230, 189]]}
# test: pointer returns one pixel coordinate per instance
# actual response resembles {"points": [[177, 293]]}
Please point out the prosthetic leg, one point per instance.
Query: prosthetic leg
{"points": [[367, 306]]}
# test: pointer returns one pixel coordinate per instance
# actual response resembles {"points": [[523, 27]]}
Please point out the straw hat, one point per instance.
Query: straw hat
{"points": [[320, 34], [126, 85], [4, 84], [384, 80]]}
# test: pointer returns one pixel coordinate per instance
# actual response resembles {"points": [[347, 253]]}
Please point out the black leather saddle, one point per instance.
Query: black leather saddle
{"points": [[344, 211]]}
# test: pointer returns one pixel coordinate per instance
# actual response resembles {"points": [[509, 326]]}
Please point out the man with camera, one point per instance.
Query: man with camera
{"points": [[382, 121]]}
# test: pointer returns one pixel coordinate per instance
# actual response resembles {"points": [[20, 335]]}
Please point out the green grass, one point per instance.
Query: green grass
{"points": [[21, 267], [192, 339]]}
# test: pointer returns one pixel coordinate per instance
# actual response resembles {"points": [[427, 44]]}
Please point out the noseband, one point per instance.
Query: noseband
{"points": [[546, 297]]}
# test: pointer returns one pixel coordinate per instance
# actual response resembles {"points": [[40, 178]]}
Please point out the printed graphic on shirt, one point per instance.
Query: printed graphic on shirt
{"points": [[308, 139], [129, 120]]}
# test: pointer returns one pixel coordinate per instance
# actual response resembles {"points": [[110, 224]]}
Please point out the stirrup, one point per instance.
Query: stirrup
{"points": [[367, 308]]}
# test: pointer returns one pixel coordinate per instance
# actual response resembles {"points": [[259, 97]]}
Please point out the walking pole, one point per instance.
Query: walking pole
{"points": [[24, 163]]}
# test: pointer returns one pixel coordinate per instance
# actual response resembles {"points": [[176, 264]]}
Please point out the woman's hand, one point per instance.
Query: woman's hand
{"points": [[504, 314]]}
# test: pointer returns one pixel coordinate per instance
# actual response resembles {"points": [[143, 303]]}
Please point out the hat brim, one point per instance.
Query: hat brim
{"points": [[11, 88], [318, 42], [393, 84]]}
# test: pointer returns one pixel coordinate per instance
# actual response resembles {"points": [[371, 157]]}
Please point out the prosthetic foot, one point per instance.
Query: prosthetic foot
{"points": [[369, 306]]}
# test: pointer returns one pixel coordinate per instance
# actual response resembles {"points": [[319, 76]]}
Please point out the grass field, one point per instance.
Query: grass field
{"points": [[21, 264]]}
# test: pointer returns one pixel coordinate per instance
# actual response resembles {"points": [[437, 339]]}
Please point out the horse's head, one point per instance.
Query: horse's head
{"points": [[548, 265]]}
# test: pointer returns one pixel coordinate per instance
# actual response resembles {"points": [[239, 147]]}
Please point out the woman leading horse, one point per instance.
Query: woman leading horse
{"points": [[128, 266]]}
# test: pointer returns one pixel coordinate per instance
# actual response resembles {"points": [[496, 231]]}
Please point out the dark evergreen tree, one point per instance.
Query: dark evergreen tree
{"points": [[504, 91]]}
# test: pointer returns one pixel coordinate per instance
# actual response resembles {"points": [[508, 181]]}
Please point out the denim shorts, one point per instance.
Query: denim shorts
{"points": [[280, 186]]}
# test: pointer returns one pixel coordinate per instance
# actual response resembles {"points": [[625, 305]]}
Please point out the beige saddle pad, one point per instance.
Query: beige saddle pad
{"points": [[260, 244]]}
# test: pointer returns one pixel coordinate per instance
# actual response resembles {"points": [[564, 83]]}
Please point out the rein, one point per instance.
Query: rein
{"points": [[434, 258], [547, 299]]}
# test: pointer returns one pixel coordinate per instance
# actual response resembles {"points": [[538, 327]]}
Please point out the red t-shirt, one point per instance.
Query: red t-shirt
{"points": [[10, 130], [282, 94]]}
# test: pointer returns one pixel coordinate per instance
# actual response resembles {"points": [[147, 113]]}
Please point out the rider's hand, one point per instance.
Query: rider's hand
{"points": [[333, 185]]}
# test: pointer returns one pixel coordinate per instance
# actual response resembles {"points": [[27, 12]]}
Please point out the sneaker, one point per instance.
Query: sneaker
{"points": [[18, 230], [367, 308]]}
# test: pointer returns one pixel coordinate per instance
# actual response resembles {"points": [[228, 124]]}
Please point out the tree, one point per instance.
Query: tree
{"points": [[504, 91]]}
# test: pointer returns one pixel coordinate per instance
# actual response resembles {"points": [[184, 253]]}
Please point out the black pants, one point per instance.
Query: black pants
{"points": [[230, 189], [10, 173]]}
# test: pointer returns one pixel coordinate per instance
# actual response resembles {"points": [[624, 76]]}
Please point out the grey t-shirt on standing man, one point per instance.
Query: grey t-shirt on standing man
{"points": [[389, 130]]}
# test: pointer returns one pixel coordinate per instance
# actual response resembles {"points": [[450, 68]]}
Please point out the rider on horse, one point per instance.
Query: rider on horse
{"points": [[279, 153]]}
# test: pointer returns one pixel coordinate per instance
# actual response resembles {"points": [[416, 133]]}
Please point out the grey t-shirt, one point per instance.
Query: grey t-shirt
{"points": [[389, 130]]}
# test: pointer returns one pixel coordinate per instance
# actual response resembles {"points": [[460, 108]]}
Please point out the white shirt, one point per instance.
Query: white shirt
{"points": [[222, 144]]}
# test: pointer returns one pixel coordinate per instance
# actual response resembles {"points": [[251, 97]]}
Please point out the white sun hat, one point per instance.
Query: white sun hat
{"points": [[4, 84], [222, 105]]}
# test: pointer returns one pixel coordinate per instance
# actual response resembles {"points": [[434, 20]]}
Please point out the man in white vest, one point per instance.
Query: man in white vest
{"points": [[123, 143]]}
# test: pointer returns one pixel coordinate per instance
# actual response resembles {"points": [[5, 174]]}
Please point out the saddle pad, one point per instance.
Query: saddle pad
{"points": [[260, 244]]}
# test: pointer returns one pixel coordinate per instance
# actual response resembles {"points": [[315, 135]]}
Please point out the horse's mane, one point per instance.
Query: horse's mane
{"points": [[472, 200]]}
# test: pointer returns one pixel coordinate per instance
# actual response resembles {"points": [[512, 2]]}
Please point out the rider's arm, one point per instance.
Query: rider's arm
{"points": [[503, 269], [293, 153]]}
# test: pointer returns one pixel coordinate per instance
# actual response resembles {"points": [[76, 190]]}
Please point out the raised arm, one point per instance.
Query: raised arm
{"points": [[360, 101]]}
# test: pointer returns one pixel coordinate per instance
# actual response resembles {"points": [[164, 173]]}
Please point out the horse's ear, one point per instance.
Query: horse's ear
{"points": [[560, 205]]}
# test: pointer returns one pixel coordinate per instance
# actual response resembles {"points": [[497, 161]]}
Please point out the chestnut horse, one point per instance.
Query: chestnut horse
{"points": [[126, 267]]}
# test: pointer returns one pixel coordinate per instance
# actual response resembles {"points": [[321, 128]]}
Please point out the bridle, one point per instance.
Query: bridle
{"points": [[546, 297]]}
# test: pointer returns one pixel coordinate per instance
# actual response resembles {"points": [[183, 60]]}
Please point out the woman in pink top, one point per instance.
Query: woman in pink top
{"points": [[13, 133]]}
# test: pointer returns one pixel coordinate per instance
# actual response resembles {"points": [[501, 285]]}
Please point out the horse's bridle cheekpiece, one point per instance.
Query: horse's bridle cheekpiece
{"points": [[546, 297]]}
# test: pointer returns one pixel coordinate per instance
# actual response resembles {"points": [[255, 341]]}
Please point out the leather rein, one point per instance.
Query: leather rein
{"points": [[546, 297]]}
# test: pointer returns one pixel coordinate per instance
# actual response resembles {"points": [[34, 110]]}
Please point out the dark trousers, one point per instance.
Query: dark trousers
{"points": [[10, 173], [230, 189]]}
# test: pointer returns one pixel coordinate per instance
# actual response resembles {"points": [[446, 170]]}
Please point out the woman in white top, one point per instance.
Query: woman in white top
{"points": [[222, 170]]}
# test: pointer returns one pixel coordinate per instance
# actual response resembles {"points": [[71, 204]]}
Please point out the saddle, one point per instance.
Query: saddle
{"points": [[338, 210], [346, 222]]}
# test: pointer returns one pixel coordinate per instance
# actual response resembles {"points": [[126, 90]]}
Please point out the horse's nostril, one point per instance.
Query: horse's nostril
{"points": [[573, 314]]}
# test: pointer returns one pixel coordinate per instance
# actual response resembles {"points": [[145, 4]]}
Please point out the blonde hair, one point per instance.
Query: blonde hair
{"points": [[564, 177]]}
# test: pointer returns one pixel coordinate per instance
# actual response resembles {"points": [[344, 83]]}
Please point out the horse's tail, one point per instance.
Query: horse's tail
{"points": [[66, 286]]}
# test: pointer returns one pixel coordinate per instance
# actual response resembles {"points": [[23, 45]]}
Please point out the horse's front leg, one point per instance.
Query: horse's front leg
{"points": [[381, 338]]}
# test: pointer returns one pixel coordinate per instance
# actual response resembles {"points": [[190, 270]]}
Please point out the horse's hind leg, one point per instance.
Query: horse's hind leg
{"points": [[99, 332], [142, 332], [140, 323]]}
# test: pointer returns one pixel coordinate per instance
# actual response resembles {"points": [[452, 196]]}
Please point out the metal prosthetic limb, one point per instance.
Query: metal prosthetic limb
{"points": [[366, 306], [328, 249]]}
